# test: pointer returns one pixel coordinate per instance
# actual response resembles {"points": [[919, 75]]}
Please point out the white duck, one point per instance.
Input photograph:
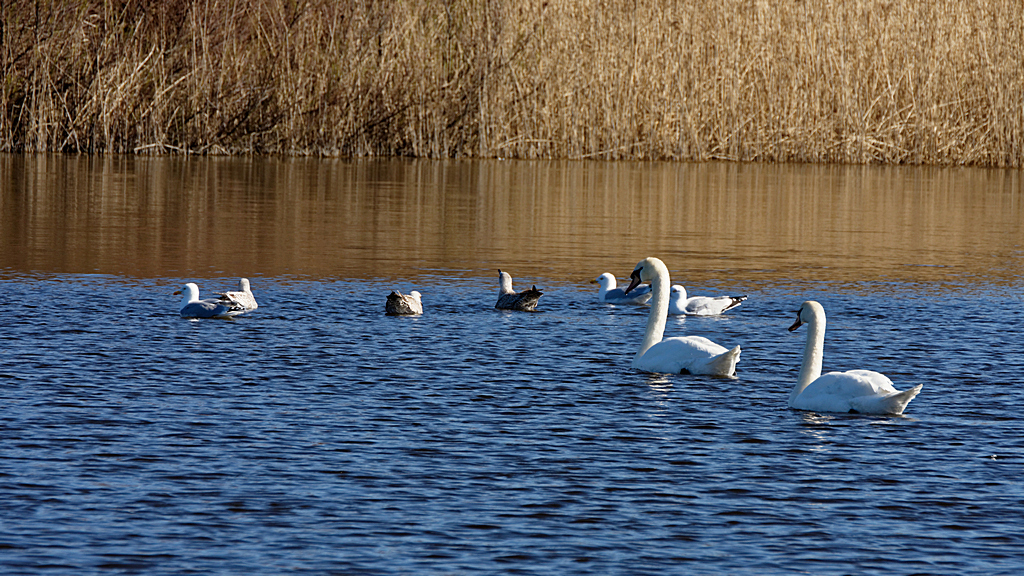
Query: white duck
{"points": [[861, 391], [243, 297], [687, 354], [701, 305], [612, 295], [193, 307]]}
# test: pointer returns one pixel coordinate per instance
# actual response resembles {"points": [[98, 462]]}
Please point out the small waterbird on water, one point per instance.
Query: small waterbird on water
{"points": [[243, 297], [399, 304], [511, 300], [193, 307], [610, 294]]}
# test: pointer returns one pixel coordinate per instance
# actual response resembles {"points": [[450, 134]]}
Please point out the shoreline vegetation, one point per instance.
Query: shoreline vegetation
{"points": [[863, 81]]}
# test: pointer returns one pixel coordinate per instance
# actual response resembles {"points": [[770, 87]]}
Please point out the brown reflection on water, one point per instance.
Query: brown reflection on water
{"points": [[743, 224]]}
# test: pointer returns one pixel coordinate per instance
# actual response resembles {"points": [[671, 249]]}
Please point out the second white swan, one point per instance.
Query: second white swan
{"points": [[861, 391], [686, 354]]}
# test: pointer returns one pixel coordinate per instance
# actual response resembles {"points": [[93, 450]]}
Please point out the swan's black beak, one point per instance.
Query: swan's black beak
{"points": [[634, 280], [798, 322]]}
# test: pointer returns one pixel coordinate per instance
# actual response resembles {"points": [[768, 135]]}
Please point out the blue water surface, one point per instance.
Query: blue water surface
{"points": [[315, 435]]}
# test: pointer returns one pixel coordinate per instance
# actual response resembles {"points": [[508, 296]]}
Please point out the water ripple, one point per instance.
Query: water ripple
{"points": [[317, 435]]}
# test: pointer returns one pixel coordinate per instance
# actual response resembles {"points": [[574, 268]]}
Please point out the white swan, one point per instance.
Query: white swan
{"points": [[612, 295], [510, 300], [243, 297], [701, 305], [861, 391], [687, 354], [399, 304], [193, 307]]}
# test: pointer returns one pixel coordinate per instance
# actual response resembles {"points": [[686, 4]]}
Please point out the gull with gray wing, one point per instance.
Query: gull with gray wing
{"points": [[193, 307]]}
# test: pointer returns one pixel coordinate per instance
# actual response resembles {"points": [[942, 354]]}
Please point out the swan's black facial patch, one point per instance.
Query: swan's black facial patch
{"points": [[634, 280], [798, 322]]}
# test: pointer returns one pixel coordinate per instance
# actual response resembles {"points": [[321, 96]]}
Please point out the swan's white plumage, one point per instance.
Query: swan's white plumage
{"points": [[608, 292], [701, 305], [692, 354], [862, 391]]}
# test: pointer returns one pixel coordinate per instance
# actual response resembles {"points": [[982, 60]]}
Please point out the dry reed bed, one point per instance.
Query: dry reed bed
{"points": [[894, 81]]}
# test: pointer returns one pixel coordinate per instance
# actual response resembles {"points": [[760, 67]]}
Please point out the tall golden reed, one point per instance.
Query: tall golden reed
{"points": [[893, 81]]}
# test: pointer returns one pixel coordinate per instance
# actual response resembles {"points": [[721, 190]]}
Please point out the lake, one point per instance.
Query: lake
{"points": [[316, 435]]}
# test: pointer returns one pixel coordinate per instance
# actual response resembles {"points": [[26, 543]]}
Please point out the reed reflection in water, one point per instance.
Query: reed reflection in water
{"points": [[317, 434], [153, 217]]}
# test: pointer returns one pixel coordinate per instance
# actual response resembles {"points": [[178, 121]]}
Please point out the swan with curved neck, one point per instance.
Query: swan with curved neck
{"points": [[686, 354], [861, 391]]}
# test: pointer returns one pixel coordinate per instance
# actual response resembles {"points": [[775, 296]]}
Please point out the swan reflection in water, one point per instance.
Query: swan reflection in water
{"points": [[818, 428], [660, 383]]}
